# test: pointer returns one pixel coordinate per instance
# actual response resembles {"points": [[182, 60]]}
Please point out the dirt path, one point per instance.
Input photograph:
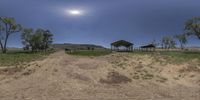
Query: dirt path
{"points": [[64, 77]]}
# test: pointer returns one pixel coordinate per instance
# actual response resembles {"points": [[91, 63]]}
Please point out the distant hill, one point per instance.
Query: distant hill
{"points": [[77, 46]]}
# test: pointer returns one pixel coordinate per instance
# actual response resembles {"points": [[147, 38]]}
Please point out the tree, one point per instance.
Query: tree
{"points": [[38, 40], [182, 38], [168, 42], [7, 27], [192, 27], [26, 38], [1, 29], [154, 43], [48, 39]]}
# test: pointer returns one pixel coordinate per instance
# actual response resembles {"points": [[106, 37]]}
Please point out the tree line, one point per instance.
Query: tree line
{"points": [[192, 27], [168, 42], [38, 40]]}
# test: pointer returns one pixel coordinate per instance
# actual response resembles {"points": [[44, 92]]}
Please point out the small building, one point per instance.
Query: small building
{"points": [[149, 47], [122, 45]]}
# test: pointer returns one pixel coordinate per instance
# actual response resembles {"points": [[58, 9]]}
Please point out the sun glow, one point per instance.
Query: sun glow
{"points": [[75, 12]]}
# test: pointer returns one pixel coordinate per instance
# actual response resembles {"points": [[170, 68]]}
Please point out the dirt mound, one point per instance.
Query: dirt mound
{"points": [[87, 66], [115, 78], [191, 68], [119, 76], [78, 76], [9, 71]]}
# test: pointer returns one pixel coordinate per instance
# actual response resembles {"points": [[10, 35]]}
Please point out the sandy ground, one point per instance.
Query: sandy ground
{"points": [[119, 76]]}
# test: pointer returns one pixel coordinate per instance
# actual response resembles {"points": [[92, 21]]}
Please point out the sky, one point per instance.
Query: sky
{"points": [[103, 21]]}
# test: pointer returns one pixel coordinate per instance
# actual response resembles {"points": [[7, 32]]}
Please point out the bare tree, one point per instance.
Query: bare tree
{"points": [[168, 42]]}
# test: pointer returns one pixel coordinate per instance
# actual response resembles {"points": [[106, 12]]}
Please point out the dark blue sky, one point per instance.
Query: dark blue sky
{"points": [[103, 21]]}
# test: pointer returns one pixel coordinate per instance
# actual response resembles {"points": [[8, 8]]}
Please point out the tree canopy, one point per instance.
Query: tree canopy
{"points": [[36, 40], [8, 26], [182, 38], [168, 42], [192, 27]]}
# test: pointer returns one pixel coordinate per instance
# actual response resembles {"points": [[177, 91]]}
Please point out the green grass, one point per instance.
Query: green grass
{"points": [[182, 56], [90, 52], [14, 58]]}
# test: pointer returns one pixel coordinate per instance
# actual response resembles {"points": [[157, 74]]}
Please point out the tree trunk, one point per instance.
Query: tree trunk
{"points": [[5, 44], [1, 45], [181, 46], [4, 50], [46, 45]]}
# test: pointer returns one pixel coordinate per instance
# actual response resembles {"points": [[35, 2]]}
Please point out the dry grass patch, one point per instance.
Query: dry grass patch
{"points": [[191, 68]]}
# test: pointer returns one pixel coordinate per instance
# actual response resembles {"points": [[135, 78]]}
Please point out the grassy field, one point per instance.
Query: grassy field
{"points": [[19, 57], [173, 56], [184, 55], [90, 52]]}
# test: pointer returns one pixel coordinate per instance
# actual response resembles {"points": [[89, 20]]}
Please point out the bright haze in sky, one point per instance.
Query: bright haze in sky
{"points": [[102, 21], [75, 12]]}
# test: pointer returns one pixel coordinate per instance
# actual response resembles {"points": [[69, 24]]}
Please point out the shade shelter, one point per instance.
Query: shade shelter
{"points": [[149, 47], [122, 45]]}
